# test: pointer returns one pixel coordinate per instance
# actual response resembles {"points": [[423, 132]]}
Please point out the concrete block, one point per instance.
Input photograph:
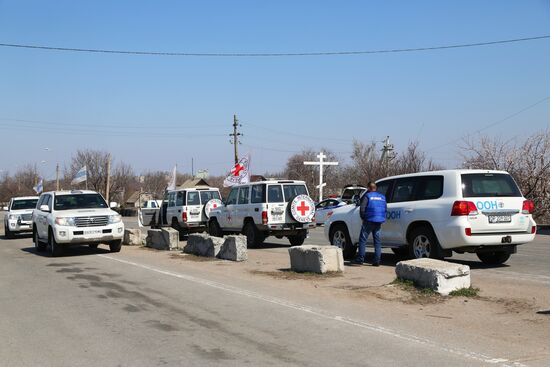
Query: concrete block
{"points": [[441, 276], [171, 238], [203, 245], [234, 248], [316, 259], [162, 239], [132, 237]]}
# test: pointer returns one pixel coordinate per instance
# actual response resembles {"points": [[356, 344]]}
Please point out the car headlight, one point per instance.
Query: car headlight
{"points": [[115, 218], [65, 221], [13, 217]]}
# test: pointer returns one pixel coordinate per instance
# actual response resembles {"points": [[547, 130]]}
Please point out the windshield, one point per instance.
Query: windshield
{"points": [[206, 196], [79, 201], [291, 191], [489, 185], [24, 204]]}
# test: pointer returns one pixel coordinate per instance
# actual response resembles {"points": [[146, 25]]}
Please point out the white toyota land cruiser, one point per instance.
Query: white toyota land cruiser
{"points": [[265, 208], [432, 214], [18, 216], [64, 218]]}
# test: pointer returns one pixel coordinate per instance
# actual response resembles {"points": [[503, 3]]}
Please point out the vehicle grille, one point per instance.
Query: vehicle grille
{"points": [[26, 217], [97, 221]]}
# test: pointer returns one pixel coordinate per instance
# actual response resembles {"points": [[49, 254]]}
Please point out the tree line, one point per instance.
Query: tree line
{"points": [[527, 160]]}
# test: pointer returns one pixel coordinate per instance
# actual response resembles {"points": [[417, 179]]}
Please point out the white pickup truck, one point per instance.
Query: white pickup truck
{"points": [[64, 218]]}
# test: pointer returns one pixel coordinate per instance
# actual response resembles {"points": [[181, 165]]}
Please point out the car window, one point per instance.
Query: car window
{"points": [[383, 188], [154, 204], [40, 201], [232, 198], [24, 204], [243, 195], [291, 191], [77, 201], [489, 185], [322, 204], [180, 198], [404, 190], [430, 187], [206, 196], [274, 194], [193, 198], [257, 194], [172, 199]]}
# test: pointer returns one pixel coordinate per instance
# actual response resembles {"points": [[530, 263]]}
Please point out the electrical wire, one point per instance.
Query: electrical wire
{"points": [[272, 54]]}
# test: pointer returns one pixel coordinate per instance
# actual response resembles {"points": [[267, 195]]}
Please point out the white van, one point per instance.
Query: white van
{"points": [[432, 214]]}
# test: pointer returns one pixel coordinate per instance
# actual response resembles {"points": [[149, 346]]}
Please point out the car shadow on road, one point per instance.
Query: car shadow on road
{"points": [[17, 236], [69, 251]]}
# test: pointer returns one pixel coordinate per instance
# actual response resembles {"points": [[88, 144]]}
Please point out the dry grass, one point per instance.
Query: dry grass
{"points": [[288, 274]]}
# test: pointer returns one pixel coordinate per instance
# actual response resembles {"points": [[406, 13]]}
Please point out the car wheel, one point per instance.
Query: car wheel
{"points": [[424, 244], [339, 237], [494, 257], [253, 236], [7, 232], [39, 246], [93, 245], [297, 240], [214, 228], [115, 246], [55, 248]]}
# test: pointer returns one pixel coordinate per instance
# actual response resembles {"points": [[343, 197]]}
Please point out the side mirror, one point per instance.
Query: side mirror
{"points": [[356, 200], [113, 204], [44, 208]]}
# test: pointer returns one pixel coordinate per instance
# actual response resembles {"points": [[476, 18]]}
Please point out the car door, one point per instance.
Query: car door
{"points": [[42, 222], [243, 204], [193, 206], [230, 210], [400, 210]]}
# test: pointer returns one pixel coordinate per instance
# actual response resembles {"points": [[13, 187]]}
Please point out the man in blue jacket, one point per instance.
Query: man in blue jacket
{"points": [[373, 213]]}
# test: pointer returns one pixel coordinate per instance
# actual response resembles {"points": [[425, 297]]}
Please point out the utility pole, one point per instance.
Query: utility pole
{"points": [[192, 167], [108, 183], [57, 177], [235, 136], [387, 152]]}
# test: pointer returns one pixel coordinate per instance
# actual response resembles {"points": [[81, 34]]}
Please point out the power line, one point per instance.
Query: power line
{"points": [[271, 54]]}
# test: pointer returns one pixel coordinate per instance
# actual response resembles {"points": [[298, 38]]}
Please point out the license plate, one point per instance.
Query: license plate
{"points": [[92, 231], [278, 217], [500, 218]]}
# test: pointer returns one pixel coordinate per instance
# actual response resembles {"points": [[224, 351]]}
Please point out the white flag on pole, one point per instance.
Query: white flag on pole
{"points": [[39, 187], [172, 183], [240, 174], [81, 176]]}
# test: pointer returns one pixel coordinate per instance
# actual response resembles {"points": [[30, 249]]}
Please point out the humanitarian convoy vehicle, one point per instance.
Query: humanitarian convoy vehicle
{"points": [[280, 208], [432, 214], [18, 215], [78, 217]]}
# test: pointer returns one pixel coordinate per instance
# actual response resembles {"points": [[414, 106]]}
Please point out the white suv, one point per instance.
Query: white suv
{"points": [[265, 208], [64, 218], [431, 214], [18, 216]]}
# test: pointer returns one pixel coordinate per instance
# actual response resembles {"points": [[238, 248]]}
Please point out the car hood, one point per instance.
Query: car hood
{"points": [[84, 212], [20, 211]]}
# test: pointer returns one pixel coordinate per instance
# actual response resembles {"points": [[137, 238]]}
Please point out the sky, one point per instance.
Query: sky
{"points": [[153, 112]]}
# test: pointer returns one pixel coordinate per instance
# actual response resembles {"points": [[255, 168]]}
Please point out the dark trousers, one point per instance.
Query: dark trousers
{"points": [[366, 229]]}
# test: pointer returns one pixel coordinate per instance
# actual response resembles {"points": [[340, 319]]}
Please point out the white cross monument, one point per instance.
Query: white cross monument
{"points": [[321, 163]]}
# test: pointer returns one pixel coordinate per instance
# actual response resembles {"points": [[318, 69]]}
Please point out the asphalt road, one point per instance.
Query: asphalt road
{"points": [[93, 308]]}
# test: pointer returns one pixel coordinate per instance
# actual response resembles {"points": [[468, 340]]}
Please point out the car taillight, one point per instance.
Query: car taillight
{"points": [[463, 208], [533, 229], [528, 207], [264, 217], [468, 231], [184, 217]]}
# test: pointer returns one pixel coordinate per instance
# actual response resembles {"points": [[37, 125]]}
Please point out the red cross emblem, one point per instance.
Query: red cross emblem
{"points": [[237, 169], [214, 206], [303, 208]]}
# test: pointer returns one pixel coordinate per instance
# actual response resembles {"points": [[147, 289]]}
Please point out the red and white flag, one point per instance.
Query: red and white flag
{"points": [[240, 173]]}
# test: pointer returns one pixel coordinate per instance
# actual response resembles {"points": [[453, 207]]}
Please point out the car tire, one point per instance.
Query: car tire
{"points": [[214, 228], [339, 237], [401, 252], [115, 246], [297, 240], [182, 232], [8, 233], [93, 245], [55, 248], [494, 257], [38, 245], [253, 235], [424, 244]]}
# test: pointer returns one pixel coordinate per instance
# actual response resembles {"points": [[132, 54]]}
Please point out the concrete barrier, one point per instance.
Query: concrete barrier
{"points": [[234, 248], [316, 259], [162, 239], [132, 237], [441, 276]]}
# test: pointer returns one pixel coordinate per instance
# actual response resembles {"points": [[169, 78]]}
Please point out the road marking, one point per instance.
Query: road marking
{"points": [[523, 276], [303, 308]]}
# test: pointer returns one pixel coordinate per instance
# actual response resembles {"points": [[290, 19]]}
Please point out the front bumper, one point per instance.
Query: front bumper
{"points": [[76, 235], [19, 226]]}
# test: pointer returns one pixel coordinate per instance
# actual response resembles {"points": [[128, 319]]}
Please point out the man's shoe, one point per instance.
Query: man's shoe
{"points": [[376, 264], [355, 263]]}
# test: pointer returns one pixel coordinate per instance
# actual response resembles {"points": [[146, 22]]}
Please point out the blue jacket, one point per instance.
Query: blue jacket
{"points": [[373, 207]]}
